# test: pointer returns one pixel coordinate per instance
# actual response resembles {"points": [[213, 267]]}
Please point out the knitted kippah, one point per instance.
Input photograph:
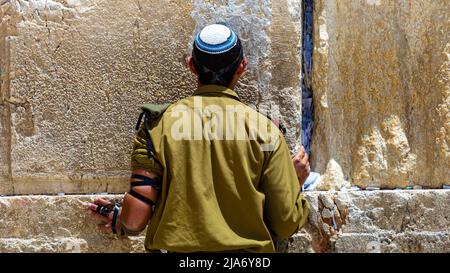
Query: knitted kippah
{"points": [[216, 39]]}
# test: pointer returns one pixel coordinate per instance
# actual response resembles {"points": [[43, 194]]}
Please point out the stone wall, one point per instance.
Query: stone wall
{"points": [[75, 72], [56, 224], [389, 221], [381, 90], [346, 221]]}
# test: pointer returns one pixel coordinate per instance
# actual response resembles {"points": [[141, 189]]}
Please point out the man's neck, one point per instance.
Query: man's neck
{"points": [[231, 86]]}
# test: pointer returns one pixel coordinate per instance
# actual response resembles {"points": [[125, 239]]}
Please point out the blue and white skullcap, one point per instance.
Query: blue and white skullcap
{"points": [[216, 39]]}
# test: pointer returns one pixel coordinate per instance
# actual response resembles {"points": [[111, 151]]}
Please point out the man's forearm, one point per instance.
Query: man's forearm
{"points": [[130, 231], [137, 208]]}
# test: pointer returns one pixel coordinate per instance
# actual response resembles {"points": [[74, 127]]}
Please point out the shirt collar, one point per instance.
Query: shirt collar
{"points": [[216, 91]]}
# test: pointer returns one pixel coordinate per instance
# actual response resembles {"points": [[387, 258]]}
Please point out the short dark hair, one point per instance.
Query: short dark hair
{"points": [[217, 69]]}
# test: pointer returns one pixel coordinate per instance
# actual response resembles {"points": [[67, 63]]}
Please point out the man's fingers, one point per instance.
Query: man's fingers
{"points": [[105, 227], [97, 202], [100, 217], [300, 155], [93, 212], [91, 206], [102, 202], [301, 161], [298, 158], [302, 152], [305, 159]]}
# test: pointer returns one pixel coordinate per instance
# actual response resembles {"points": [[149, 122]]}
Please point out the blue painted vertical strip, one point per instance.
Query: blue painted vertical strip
{"points": [[307, 95]]}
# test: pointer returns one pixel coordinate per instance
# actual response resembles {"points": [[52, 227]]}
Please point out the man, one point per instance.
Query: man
{"points": [[210, 174]]}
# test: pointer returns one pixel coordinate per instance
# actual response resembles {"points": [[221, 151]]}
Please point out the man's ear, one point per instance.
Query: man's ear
{"points": [[190, 64], [242, 67]]}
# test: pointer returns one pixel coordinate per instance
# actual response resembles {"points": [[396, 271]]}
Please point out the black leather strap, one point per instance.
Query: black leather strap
{"points": [[114, 219], [103, 210], [141, 198], [122, 231], [139, 121], [148, 139], [145, 181], [150, 147]]}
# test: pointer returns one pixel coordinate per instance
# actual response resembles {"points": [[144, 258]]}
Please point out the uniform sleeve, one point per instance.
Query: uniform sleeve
{"points": [[286, 210], [140, 158]]}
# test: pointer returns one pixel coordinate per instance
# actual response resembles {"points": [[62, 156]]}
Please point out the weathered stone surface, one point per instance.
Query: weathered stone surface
{"points": [[5, 113], [72, 74], [75, 72], [56, 224], [42, 244], [390, 242], [376, 221], [381, 90], [361, 221]]}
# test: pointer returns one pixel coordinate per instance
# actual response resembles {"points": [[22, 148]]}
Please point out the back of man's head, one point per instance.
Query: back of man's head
{"points": [[217, 54]]}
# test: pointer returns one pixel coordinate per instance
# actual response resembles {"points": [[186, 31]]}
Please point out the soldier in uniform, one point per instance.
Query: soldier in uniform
{"points": [[210, 174]]}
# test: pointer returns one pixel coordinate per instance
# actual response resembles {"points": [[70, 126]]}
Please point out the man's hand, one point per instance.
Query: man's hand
{"points": [[106, 224], [301, 164]]}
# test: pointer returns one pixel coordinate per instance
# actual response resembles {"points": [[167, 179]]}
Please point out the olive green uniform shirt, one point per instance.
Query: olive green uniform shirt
{"points": [[219, 195]]}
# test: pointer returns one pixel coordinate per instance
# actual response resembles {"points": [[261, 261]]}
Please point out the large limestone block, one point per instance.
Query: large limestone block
{"points": [[363, 221], [389, 242], [56, 224], [381, 90], [75, 72], [376, 221]]}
